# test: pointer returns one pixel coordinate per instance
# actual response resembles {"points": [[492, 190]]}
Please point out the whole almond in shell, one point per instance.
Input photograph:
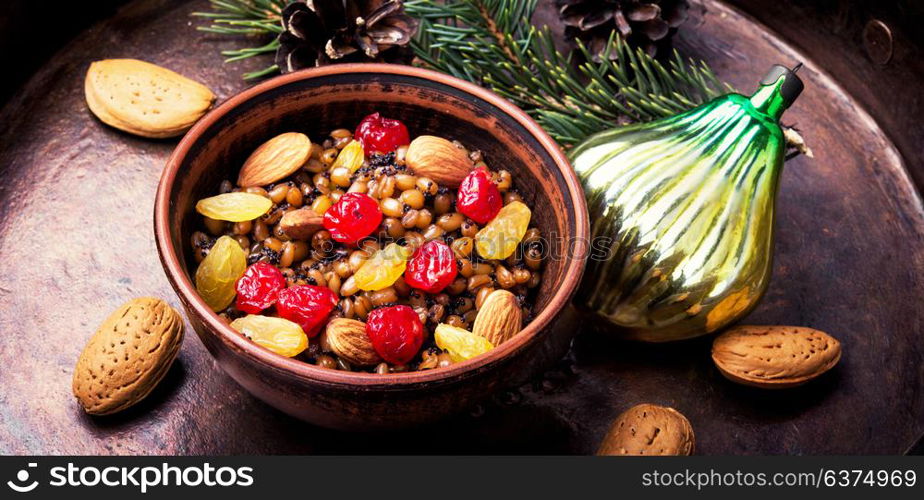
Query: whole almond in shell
{"points": [[301, 224], [144, 99], [438, 159], [275, 159], [648, 429], [499, 318], [774, 357], [127, 356], [348, 339]]}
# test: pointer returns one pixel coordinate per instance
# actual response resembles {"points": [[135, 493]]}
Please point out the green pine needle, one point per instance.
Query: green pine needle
{"points": [[250, 18], [492, 43]]}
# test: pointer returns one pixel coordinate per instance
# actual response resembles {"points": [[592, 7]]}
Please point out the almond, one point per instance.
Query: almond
{"points": [[499, 318], [127, 356], [275, 159], [347, 339], [648, 429], [774, 357], [439, 160], [144, 99], [301, 224]]}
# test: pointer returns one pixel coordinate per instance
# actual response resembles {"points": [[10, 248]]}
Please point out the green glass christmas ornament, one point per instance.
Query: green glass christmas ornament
{"points": [[681, 213]]}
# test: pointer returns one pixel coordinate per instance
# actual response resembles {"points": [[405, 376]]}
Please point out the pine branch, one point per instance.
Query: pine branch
{"points": [[254, 19], [492, 43]]}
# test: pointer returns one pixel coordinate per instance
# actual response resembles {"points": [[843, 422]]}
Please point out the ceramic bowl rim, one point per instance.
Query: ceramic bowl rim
{"points": [[306, 371]]}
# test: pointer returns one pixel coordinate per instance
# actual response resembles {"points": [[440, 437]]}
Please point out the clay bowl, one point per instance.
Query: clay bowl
{"points": [[319, 100]]}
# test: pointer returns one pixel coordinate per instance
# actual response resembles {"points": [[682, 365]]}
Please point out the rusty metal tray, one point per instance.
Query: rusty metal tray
{"points": [[76, 240]]}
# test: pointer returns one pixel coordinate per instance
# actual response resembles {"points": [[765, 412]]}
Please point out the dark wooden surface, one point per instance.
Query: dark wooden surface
{"points": [[76, 241], [873, 48], [29, 20]]}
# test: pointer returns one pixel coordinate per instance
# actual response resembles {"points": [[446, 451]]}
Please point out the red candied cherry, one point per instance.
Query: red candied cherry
{"points": [[259, 287], [396, 333], [432, 267], [381, 135], [353, 217], [479, 199], [306, 305]]}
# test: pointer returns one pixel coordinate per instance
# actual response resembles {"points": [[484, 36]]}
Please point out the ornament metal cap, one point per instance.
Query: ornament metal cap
{"points": [[792, 85]]}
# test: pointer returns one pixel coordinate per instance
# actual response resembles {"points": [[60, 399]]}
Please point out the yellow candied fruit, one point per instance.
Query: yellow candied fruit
{"points": [[383, 268], [276, 334], [234, 207], [461, 344], [351, 157], [500, 237], [219, 271]]}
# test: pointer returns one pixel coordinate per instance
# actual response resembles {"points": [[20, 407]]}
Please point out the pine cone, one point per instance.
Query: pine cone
{"points": [[648, 24], [320, 32]]}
